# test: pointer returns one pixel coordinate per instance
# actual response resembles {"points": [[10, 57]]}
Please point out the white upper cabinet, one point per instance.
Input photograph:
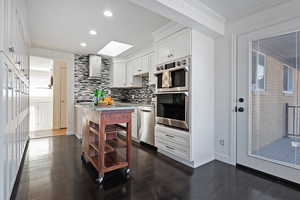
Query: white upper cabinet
{"points": [[144, 68], [2, 20], [14, 37], [175, 46], [152, 69], [129, 72], [119, 74]]}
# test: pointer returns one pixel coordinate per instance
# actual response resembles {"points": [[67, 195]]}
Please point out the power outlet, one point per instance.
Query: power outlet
{"points": [[222, 142]]}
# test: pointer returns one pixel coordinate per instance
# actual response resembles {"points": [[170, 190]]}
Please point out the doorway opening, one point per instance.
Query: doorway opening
{"points": [[47, 98]]}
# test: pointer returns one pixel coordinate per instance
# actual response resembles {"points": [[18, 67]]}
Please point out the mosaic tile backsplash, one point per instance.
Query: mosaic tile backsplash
{"points": [[136, 95], [85, 87]]}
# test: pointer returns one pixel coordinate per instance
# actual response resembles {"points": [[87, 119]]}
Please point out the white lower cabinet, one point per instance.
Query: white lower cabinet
{"points": [[173, 141], [135, 126]]}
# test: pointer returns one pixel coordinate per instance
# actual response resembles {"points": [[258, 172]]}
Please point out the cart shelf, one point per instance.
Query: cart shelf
{"points": [[102, 142]]}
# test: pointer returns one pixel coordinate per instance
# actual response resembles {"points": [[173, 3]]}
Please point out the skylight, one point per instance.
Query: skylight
{"points": [[114, 48]]}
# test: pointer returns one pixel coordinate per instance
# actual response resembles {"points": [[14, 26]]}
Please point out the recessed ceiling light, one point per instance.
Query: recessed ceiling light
{"points": [[83, 44], [114, 48], [108, 13], [93, 32]]}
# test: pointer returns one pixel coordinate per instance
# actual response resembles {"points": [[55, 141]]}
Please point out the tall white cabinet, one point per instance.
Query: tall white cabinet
{"points": [[196, 146], [14, 91]]}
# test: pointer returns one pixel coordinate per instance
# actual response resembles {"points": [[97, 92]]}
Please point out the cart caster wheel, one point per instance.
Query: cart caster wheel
{"points": [[126, 173], [127, 176], [83, 159], [99, 180], [101, 186]]}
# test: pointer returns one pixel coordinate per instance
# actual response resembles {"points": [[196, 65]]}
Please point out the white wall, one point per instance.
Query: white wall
{"points": [[69, 59], [225, 70]]}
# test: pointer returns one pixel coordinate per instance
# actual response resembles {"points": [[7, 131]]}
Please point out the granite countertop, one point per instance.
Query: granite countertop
{"points": [[107, 108], [119, 105]]}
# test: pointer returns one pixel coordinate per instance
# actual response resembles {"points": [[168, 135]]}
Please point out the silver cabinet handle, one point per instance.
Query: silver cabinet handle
{"points": [[11, 49], [145, 110], [170, 148], [170, 136]]}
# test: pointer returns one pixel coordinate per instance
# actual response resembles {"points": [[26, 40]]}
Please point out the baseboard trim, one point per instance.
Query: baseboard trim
{"points": [[20, 170], [224, 158], [269, 176], [185, 162], [70, 132]]}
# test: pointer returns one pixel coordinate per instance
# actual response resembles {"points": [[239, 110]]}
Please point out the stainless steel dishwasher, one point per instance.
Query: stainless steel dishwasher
{"points": [[147, 123]]}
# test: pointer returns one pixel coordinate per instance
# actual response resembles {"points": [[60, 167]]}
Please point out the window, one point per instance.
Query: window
{"points": [[258, 71], [288, 79]]}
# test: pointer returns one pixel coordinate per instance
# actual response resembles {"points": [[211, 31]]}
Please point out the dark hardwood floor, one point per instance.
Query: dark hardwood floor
{"points": [[53, 170]]}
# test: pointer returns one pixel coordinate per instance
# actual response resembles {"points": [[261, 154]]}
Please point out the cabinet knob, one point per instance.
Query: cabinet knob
{"points": [[11, 49]]}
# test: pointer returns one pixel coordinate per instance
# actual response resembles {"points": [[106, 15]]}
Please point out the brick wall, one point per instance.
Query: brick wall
{"points": [[268, 107]]}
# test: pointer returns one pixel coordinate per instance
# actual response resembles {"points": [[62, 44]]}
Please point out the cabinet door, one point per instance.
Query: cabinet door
{"points": [[163, 51], [2, 25], [129, 73], [180, 44], [119, 74], [145, 64], [173, 47], [134, 125], [2, 125], [151, 66], [137, 68]]}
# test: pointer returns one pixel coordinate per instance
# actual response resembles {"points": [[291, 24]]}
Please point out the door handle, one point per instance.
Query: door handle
{"points": [[241, 109]]}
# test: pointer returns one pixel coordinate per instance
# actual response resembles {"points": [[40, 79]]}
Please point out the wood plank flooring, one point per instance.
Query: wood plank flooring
{"points": [[53, 170], [47, 133]]}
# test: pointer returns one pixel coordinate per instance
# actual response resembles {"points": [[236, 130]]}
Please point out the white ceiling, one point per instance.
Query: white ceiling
{"points": [[233, 10], [64, 24]]}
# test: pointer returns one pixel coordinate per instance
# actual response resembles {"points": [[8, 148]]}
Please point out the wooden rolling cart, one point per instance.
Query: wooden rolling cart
{"points": [[104, 149]]}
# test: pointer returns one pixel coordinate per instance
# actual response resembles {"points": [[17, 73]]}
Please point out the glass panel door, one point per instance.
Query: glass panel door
{"points": [[268, 114], [274, 99]]}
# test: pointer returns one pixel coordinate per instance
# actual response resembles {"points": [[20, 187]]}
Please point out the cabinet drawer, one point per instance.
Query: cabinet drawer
{"points": [[172, 149], [183, 141]]}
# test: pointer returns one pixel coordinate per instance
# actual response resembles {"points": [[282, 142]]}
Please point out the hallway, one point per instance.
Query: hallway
{"points": [[53, 170]]}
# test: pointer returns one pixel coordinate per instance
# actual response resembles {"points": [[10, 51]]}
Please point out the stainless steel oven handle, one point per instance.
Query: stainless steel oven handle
{"points": [[187, 107], [186, 68], [185, 93]]}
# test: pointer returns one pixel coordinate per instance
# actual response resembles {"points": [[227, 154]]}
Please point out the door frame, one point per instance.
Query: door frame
{"points": [[286, 27]]}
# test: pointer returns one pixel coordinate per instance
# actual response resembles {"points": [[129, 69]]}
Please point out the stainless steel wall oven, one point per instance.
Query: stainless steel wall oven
{"points": [[173, 109], [177, 73]]}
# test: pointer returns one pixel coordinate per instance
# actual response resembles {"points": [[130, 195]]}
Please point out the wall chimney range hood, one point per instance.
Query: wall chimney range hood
{"points": [[95, 66]]}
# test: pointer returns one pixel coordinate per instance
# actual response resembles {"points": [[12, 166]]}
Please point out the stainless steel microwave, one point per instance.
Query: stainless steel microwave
{"points": [[172, 109], [178, 72]]}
